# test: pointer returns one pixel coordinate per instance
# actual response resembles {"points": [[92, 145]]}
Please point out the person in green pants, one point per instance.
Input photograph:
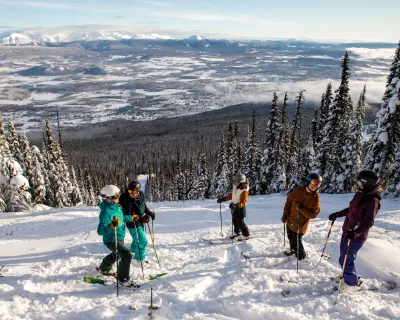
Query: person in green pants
{"points": [[133, 204], [111, 217]]}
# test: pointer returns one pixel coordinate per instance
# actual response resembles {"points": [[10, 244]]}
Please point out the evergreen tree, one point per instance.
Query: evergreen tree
{"points": [[26, 155], [14, 145], [190, 176], [386, 137], [271, 152], [252, 157], [38, 189], [91, 199], [201, 185], [295, 140], [76, 196], [337, 133], [393, 74], [352, 154], [179, 180], [222, 174]]}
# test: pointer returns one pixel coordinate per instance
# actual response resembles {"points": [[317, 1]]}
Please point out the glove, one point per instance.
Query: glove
{"points": [[135, 217], [220, 200], [232, 206], [299, 205], [151, 214], [114, 223], [332, 217], [351, 235], [283, 219]]}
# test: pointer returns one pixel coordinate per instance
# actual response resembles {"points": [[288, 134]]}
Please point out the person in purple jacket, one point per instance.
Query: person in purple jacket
{"points": [[360, 216]]}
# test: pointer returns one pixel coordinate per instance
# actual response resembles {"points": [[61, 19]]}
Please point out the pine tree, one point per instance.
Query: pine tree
{"points": [[179, 180], [91, 200], [307, 157], [393, 74], [76, 196], [201, 185], [222, 174], [352, 154], [294, 149], [14, 145], [38, 189], [26, 155], [252, 157], [271, 152], [191, 192], [337, 132], [386, 137]]}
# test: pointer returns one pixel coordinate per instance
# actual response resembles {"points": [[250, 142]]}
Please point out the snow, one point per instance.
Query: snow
{"points": [[49, 252], [19, 181]]}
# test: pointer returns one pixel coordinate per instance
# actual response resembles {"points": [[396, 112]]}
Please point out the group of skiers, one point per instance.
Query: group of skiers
{"points": [[302, 205], [116, 210]]}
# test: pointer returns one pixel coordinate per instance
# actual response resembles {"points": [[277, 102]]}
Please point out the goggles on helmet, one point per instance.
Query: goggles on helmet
{"points": [[133, 192], [361, 183], [316, 183]]}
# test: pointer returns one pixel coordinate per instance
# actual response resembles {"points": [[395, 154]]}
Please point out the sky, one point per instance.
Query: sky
{"points": [[236, 19]]}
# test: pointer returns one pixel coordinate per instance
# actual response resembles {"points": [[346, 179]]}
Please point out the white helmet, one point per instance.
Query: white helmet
{"points": [[110, 191]]}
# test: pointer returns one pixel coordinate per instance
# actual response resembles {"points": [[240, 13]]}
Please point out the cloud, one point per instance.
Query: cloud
{"points": [[38, 4], [370, 54], [119, 17]]}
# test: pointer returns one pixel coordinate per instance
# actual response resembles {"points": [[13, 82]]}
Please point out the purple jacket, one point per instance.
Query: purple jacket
{"points": [[361, 213]]}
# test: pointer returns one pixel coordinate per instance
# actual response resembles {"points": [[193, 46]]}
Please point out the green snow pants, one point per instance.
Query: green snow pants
{"points": [[142, 243], [125, 260]]}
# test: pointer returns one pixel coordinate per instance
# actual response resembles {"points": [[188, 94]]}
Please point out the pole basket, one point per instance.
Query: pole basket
{"points": [[326, 256]]}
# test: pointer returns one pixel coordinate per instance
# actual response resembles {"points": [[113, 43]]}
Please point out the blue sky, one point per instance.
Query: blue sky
{"points": [[329, 20]]}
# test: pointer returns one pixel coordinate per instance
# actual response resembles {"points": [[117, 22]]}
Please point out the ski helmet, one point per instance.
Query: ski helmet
{"points": [[314, 178], [239, 177], [367, 179], [134, 185], [110, 191]]}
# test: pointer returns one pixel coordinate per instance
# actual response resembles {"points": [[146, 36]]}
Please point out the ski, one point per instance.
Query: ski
{"points": [[224, 240], [252, 256], [155, 276], [95, 280]]}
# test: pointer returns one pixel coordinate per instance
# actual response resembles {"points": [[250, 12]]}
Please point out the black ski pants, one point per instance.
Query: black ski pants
{"points": [[292, 236], [238, 215], [125, 260]]}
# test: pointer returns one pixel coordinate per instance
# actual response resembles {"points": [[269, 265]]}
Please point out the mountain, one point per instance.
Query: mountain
{"points": [[16, 39]]}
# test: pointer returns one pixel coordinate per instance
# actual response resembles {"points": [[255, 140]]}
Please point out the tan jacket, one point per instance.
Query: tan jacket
{"points": [[310, 208]]}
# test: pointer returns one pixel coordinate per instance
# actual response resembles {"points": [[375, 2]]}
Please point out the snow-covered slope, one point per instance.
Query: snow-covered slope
{"points": [[46, 254]]}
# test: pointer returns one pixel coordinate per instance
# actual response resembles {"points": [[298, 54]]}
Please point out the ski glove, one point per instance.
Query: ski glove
{"points": [[351, 235], [233, 206], [220, 200], [299, 205], [135, 217], [145, 219], [151, 214], [283, 219], [332, 217], [114, 223]]}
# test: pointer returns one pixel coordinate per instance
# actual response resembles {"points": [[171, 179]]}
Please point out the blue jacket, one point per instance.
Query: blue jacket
{"points": [[107, 212]]}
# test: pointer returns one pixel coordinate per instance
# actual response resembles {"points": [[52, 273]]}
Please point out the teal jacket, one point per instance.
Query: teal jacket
{"points": [[107, 212]]}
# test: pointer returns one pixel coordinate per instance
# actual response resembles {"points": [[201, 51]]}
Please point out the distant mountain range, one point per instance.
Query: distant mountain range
{"points": [[109, 39]]}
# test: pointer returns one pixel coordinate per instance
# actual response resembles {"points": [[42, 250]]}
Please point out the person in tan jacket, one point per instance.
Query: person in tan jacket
{"points": [[238, 196], [302, 205]]}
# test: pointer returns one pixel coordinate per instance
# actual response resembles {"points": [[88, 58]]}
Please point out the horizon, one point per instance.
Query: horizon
{"points": [[223, 20]]}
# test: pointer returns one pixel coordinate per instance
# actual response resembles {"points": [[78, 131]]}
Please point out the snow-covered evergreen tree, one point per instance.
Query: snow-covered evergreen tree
{"points": [[190, 177], [26, 154], [38, 189], [393, 74], [271, 152], [294, 149], [222, 174], [14, 145], [202, 177], [352, 150], [18, 197], [76, 196], [252, 157], [91, 199], [386, 137], [337, 132], [179, 180]]}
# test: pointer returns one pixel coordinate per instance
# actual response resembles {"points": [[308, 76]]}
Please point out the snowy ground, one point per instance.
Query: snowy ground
{"points": [[46, 254]]}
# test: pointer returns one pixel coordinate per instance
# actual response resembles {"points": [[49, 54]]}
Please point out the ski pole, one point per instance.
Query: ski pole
{"points": [[220, 215], [326, 241], [344, 265], [153, 241], [232, 225], [284, 235], [137, 241], [298, 241], [116, 255]]}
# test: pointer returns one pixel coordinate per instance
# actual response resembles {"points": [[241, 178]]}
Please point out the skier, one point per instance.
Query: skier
{"points": [[133, 203], [302, 205], [360, 216], [111, 218], [239, 195]]}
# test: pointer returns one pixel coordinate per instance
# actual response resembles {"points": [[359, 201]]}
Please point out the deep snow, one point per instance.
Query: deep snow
{"points": [[49, 252]]}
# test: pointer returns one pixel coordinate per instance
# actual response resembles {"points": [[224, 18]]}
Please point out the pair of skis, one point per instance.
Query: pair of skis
{"points": [[225, 240]]}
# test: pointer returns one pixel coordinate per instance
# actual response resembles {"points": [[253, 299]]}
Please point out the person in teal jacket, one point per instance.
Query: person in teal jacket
{"points": [[111, 218]]}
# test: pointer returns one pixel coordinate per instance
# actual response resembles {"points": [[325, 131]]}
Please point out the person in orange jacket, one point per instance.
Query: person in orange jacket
{"points": [[302, 205], [238, 196]]}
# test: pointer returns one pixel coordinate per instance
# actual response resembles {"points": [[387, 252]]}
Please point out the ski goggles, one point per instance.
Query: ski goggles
{"points": [[133, 192], [315, 182]]}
